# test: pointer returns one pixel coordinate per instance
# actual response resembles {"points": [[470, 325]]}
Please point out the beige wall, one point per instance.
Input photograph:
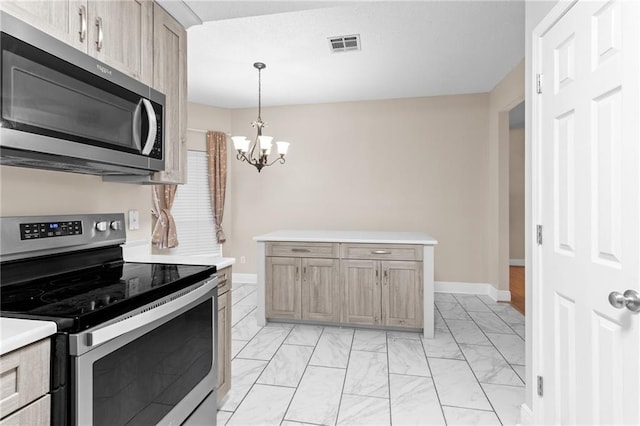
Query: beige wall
{"points": [[29, 192], [516, 193], [506, 95], [395, 165]]}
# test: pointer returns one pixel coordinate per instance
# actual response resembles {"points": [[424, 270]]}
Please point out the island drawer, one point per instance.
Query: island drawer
{"points": [[382, 251], [303, 249]]}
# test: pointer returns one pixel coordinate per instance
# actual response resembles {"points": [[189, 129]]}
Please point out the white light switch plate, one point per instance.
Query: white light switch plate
{"points": [[134, 220]]}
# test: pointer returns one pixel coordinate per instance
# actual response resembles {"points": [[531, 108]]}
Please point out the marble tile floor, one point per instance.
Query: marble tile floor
{"points": [[472, 373]]}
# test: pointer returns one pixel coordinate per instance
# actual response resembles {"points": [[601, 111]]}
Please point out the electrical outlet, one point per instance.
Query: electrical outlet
{"points": [[243, 259], [134, 220]]}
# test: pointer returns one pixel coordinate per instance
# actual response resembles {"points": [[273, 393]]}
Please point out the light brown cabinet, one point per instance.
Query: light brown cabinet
{"points": [[360, 292], [61, 19], [345, 283], [118, 33], [224, 332], [302, 288], [402, 298], [382, 285], [24, 384], [170, 78], [320, 289], [385, 293], [283, 289]]}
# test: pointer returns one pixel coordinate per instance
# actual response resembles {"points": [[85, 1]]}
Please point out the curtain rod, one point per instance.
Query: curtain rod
{"points": [[191, 129]]}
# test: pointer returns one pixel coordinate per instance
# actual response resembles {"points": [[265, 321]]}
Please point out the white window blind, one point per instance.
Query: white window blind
{"points": [[192, 211]]}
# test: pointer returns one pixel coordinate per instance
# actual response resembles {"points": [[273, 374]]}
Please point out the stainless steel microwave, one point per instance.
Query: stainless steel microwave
{"points": [[64, 110]]}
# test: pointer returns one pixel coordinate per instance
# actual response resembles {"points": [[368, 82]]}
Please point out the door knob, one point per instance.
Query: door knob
{"points": [[630, 299]]}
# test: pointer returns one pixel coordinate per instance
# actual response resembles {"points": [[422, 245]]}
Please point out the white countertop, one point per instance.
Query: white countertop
{"points": [[219, 262], [349, 237], [16, 333], [140, 251]]}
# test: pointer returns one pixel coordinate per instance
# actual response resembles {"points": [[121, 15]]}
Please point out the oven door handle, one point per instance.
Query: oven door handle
{"points": [[142, 319]]}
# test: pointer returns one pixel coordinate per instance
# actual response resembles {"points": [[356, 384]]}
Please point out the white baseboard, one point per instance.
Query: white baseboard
{"points": [[473, 288], [516, 262], [245, 278], [526, 415]]}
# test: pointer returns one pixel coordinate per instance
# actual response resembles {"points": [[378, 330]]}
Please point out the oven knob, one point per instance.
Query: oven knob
{"points": [[102, 226], [115, 225]]}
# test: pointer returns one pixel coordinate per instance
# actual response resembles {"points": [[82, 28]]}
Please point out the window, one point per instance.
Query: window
{"points": [[192, 210]]}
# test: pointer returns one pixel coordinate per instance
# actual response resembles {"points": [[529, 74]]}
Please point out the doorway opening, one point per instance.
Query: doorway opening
{"points": [[516, 208]]}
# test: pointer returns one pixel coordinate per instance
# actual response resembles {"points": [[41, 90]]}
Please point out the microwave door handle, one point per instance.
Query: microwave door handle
{"points": [[137, 127], [153, 127]]}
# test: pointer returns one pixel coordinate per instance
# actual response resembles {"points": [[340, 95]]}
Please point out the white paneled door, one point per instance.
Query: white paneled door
{"points": [[586, 186]]}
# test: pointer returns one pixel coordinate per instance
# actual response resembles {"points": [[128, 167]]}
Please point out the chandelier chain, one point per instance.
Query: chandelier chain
{"points": [[259, 95]]}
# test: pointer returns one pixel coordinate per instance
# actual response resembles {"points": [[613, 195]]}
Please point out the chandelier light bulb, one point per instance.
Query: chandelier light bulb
{"points": [[283, 147]]}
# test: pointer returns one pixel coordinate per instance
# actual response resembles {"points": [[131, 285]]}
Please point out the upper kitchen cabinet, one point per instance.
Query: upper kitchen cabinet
{"points": [[65, 20], [170, 78], [118, 33]]}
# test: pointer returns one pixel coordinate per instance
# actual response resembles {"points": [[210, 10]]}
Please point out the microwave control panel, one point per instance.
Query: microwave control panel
{"points": [[29, 231]]}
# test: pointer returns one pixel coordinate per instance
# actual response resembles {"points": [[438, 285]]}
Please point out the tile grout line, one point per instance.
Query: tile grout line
{"points": [[284, 417], [433, 380], [344, 381], [498, 349], [473, 372], [386, 340], [261, 372]]}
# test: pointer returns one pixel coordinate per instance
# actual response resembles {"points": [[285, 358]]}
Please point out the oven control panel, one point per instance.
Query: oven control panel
{"points": [[30, 231], [29, 236]]}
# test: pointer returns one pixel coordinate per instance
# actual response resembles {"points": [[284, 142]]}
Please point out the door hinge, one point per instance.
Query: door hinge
{"points": [[538, 83], [539, 234], [540, 386]]}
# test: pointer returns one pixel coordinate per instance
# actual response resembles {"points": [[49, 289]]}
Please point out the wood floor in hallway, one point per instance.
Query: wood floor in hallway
{"points": [[516, 286]]}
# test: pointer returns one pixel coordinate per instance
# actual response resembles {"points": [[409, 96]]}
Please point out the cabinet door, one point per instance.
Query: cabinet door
{"points": [[62, 19], [321, 290], [224, 345], [402, 300], [361, 291], [120, 35], [282, 282], [170, 78]]}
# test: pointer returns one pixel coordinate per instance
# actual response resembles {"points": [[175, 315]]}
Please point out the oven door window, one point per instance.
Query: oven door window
{"points": [[139, 383]]}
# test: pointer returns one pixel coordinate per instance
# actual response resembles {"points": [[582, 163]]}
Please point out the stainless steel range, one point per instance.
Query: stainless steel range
{"points": [[136, 342]]}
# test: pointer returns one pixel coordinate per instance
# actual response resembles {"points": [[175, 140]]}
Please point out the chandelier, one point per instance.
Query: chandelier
{"points": [[257, 153]]}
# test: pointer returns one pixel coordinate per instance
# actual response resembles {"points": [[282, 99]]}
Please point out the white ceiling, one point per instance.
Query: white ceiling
{"points": [[409, 49]]}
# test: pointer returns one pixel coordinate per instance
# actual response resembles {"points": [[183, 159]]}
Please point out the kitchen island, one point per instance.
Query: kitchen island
{"points": [[356, 278]]}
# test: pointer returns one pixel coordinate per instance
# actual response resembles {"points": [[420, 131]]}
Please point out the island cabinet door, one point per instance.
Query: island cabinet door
{"points": [[321, 290], [402, 301], [361, 291], [283, 288]]}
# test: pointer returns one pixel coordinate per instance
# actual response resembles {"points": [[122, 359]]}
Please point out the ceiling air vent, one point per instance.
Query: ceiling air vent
{"points": [[345, 43]]}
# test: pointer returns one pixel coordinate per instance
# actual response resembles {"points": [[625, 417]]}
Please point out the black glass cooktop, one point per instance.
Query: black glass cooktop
{"points": [[82, 299]]}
